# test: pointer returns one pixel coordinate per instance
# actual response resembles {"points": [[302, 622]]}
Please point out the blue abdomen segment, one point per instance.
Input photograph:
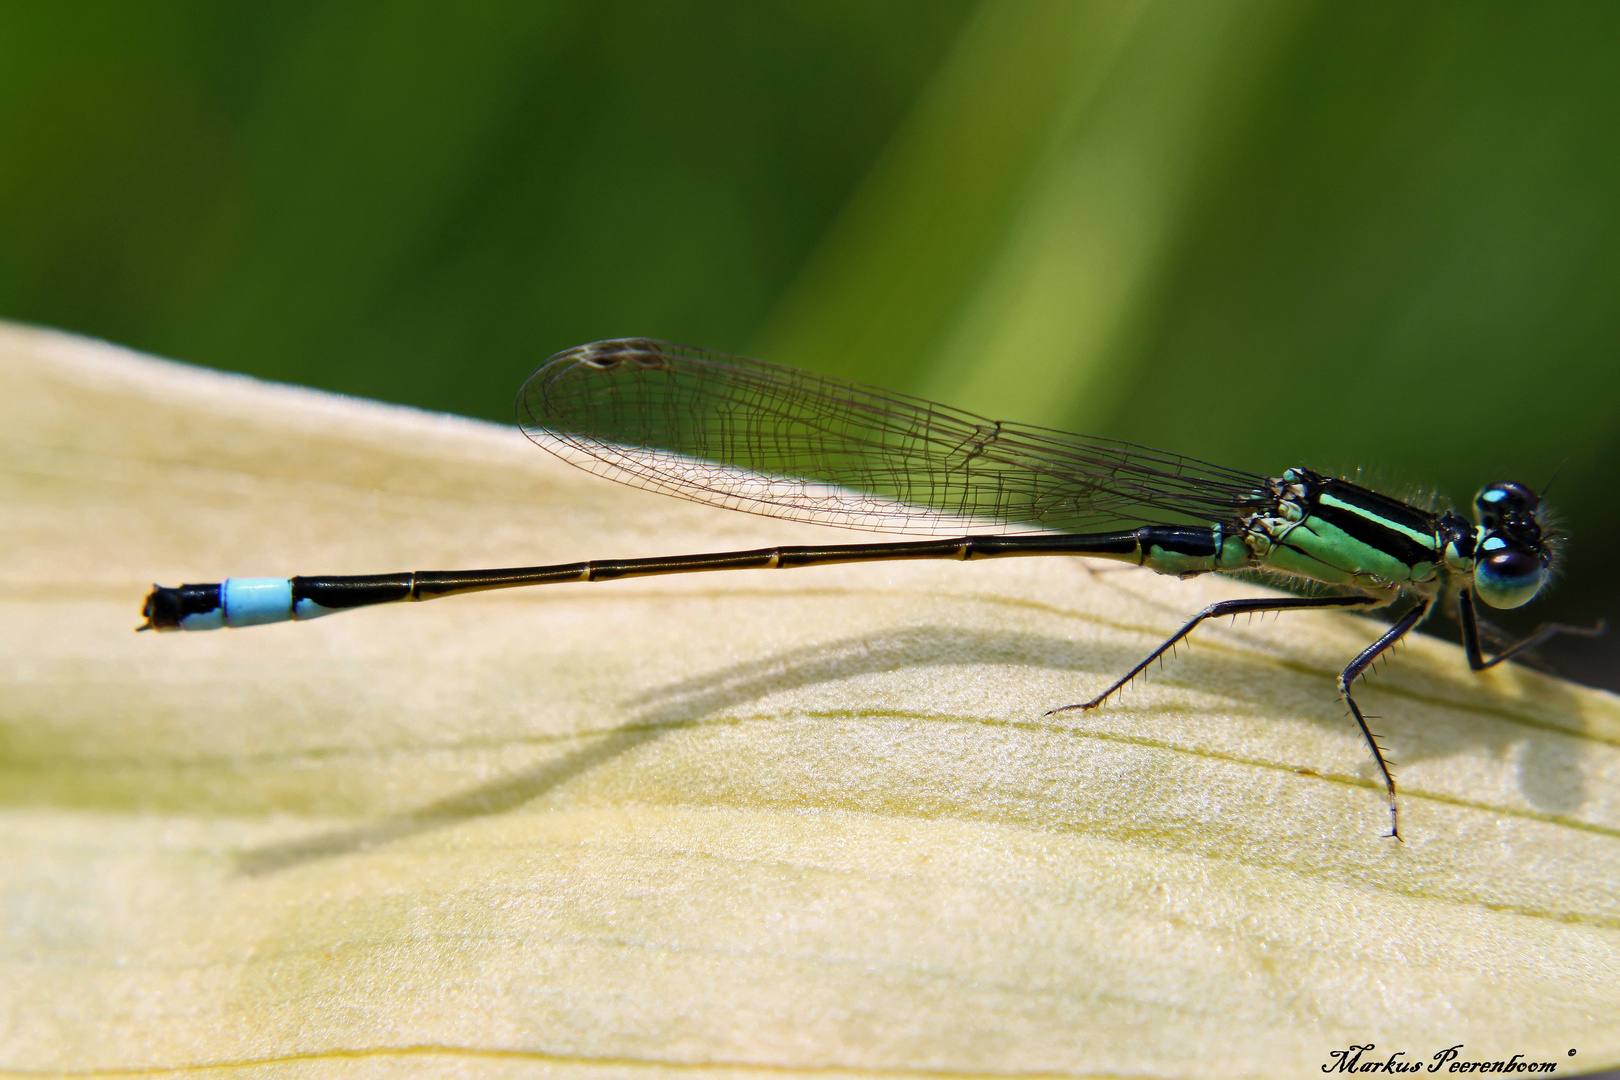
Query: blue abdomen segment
{"points": [[232, 603], [253, 601]]}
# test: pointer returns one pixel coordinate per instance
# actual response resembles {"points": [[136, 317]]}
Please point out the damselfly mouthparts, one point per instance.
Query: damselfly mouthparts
{"points": [[791, 444]]}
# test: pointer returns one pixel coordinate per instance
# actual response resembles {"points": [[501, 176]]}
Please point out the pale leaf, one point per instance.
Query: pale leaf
{"points": [[788, 821]]}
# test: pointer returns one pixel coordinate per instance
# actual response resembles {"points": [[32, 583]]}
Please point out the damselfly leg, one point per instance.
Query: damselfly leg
{"points": [[1471, 636], [1215, 611], [1354, 671]]}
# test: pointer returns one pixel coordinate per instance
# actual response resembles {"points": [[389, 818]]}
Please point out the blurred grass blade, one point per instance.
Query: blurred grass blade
{"points": [[1088, 241], [881, 288], [1022, 220]]}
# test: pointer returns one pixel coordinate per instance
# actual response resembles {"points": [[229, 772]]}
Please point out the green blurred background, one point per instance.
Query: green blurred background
{"points": [[1380, 236]]}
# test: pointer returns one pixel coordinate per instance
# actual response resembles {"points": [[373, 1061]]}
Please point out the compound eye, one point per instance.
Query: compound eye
{"points": [[1505, 502], [1509, 578]]}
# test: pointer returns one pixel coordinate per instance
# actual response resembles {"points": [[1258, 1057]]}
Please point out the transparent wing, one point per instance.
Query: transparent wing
{"points": [[793, 444]]}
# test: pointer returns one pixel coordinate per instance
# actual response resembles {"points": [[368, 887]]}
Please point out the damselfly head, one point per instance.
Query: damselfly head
{"points": [[1511, 558]]}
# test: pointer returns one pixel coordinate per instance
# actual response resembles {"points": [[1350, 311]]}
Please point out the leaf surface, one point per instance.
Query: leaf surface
{"points": [[801, 822]]}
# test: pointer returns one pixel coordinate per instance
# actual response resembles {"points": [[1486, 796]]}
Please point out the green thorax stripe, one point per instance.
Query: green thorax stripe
{"points": [[1401, 531]]}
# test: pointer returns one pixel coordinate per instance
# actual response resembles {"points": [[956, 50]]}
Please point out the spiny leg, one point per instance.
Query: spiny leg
{"points": [[1470, 629], [1353, 672], [1225, 607]]}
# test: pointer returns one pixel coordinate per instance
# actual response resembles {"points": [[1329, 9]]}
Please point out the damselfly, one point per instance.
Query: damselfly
{"points": [[791, 444]]}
